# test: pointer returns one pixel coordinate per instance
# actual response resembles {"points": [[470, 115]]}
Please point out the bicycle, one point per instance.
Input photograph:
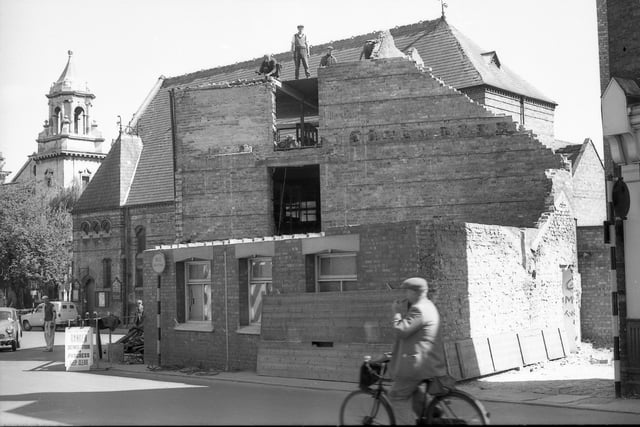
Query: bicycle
{"points": [[369, 405]]}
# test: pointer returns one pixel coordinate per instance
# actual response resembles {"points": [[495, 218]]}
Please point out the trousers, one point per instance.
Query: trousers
{"points": [[300, 55], [49, 333]]}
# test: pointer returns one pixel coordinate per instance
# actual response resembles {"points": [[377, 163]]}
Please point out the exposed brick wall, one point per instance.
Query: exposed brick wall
{"points": [[222, 192], [407, 147], [397, 145], [594, 264], [621, 27]]}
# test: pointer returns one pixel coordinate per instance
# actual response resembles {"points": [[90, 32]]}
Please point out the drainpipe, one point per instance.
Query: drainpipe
{"points": [[610, 239], [226, 312]]}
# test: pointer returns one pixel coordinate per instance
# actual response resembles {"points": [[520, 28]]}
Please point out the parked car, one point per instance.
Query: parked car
{"points": [[66, 314], [10, 330]]}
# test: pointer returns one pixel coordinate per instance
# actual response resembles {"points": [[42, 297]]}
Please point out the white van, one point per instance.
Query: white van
{"points": [[66, 315]]}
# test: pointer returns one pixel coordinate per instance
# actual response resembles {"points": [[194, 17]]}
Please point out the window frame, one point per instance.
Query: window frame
{"points": [[197, 282], [251, 281], [337, 278]]}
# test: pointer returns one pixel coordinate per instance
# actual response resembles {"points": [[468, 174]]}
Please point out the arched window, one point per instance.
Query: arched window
{"points": [[57, 120], [79, 118], [141, 245]]}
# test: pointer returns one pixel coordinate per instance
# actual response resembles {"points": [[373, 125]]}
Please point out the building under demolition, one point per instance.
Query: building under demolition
{"points": [[273, 219]]}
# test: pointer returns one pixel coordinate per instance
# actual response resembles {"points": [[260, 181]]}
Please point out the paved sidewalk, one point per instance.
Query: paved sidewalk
{"points": [[546, 396]]}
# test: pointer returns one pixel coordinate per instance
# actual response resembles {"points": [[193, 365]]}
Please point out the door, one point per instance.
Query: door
{"points": [[90, 295]]}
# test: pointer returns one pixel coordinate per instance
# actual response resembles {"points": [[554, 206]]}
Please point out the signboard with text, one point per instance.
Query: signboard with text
{"points": [[78, 349]]}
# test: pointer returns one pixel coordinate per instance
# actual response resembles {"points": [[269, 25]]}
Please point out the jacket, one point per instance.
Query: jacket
{"points": [[418, 351]]}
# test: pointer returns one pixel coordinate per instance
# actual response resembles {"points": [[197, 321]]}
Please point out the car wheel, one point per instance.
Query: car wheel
{"points": [[26, 325], [13, 346]]}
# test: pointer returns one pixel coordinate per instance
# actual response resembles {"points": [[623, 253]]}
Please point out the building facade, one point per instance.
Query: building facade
{"points": [[619, 44], [275, 218]]}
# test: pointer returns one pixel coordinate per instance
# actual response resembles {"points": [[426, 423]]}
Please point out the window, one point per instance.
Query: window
{"points": [[48, 177], [102, 298], [85, 181], [79, 120], [85, 227], [259, 284], [106, 273], [198, 291], [335, 272], [106, 226], [141, 245]]}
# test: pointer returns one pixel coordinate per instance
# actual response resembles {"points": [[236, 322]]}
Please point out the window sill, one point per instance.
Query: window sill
{"points": [[249, 330], [194, 327]]}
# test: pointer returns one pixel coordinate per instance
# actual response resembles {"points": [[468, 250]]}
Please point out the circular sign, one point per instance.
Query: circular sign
{"points": [[158, 263]]}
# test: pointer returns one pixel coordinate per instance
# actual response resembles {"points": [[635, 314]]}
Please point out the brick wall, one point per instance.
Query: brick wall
{"points": [[594, 264], [89, 251], [220, 132], [407, 147], [397, 145]]}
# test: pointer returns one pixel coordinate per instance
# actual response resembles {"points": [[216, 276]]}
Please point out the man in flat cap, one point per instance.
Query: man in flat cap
{"points": [[328, 58], [300, 51], [418, 352]]}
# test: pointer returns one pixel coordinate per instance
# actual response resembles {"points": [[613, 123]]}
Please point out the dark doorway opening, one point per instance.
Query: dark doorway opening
{"points": [[296, 199]]}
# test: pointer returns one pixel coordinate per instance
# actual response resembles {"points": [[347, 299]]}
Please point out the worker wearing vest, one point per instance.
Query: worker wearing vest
{"points": [[300, 50]]}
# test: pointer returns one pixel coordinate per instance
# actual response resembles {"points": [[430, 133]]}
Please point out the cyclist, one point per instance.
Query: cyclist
{"points": [[418, 352]]}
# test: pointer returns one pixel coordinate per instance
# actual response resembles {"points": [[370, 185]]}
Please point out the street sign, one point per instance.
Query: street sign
{"points": [[78, 348], [158, 263]]}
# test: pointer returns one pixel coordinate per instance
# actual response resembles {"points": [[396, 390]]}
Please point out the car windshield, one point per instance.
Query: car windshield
{"points": [[5, 315]]}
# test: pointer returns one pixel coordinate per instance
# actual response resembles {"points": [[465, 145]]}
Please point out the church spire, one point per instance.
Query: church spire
{"points": [[68, 80]]}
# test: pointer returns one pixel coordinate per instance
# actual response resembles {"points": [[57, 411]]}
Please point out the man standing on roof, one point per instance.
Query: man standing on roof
{"points": [[328, 59], [269, 67], [300, 51]]}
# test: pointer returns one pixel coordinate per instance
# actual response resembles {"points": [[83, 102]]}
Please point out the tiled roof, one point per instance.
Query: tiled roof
{"points": [[103, 191], [452, 57], [110, 186]]}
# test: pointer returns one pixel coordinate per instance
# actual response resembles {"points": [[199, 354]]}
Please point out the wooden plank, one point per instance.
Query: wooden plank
{"points": [[453, 363], [475, 357], [553, 343], [505, 351], [532, 346]]}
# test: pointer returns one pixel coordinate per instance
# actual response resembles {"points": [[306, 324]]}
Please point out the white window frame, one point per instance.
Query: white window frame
{"points": [[263, 282], [207, 311], [337, 278]]}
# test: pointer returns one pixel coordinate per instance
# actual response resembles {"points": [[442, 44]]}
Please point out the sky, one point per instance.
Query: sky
{"points": [[121, 47]]}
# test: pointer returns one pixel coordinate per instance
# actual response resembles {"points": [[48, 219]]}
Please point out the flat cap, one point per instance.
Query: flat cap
{"points": [[300, 26], [45, 297], [415, 283], [329, 47]]}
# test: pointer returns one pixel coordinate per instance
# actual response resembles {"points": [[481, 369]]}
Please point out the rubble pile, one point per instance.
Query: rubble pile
{"points": [[133, 345]]}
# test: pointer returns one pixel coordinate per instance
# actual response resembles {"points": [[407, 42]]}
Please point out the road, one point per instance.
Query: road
{"points": [[36, 390]]}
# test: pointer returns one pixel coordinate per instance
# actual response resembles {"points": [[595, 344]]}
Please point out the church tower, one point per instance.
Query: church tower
{"points": [[70, 147]]}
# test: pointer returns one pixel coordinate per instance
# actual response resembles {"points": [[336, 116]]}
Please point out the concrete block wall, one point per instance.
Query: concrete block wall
{"points": [[594, 265], [407, 147]]}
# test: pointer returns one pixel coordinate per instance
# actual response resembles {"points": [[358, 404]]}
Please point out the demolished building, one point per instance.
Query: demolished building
{"points": [[271, 218]]}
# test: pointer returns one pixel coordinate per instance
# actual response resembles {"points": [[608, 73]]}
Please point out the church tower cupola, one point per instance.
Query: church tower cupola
{"points": [[69, 139]]}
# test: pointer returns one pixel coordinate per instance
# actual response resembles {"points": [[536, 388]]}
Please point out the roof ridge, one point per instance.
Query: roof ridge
{"points": [[337, 44]]}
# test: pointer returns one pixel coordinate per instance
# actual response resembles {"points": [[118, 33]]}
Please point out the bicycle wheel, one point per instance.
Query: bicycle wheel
{"points": [[456, 407], [362, 408]]}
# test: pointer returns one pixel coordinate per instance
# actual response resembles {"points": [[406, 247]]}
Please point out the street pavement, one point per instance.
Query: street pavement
{"points": [[36, 390]]}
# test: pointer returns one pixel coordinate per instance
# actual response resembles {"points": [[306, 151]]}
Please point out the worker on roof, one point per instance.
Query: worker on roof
{"points": [[367, 49], [300, 51], [269, 67], [328, 58]]}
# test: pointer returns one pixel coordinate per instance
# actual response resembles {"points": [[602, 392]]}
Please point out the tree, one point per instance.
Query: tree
{"points": [[35, 239]]}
